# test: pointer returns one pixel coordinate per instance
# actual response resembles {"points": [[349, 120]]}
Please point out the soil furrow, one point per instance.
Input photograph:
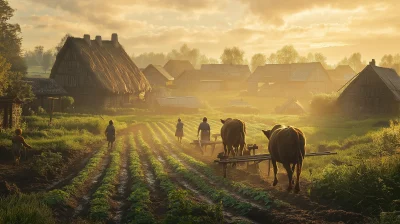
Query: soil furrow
{"points": [[120, 199]]}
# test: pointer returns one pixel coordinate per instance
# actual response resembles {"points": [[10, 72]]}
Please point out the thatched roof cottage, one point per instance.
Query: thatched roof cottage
{"points": [[176, 67], [98, 72], [376, 90], [157, 76], [290, 79]]}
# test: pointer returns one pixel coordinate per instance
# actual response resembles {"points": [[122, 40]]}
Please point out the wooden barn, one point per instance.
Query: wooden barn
{"points": [[233, 76], [10, 112], [290, 79], [44, 88], [340, 76], [157, 76], [182, 104], [176, 67], [376, 90], [98, 73]]}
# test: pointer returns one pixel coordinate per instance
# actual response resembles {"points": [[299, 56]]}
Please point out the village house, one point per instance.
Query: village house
{"points": [[157, 76], [176, 67], [233, 77], [341, 75], [197, 80], [375, 90], [291, 106], [288, 80], [43, 88], [98, 72]]}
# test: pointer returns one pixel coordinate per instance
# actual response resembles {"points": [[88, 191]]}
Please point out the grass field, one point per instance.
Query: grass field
{"points": [[149, 178]]}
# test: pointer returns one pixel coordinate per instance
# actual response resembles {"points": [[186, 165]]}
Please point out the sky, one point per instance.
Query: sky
{"points": [[336, 28]]}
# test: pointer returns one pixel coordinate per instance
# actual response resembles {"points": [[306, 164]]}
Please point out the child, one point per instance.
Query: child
{"points": [[110, 133], [18, 144], [179, 130]]}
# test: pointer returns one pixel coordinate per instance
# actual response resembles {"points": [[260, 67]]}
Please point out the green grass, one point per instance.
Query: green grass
{"points": [[25, 209]]}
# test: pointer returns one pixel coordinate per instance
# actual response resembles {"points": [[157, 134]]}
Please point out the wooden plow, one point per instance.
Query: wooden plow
{"points": [[259, 158]]}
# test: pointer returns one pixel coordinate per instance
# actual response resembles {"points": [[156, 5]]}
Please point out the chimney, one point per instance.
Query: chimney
{"points": [[86, 37], [99, 41], [114, 39], [372, 62]]}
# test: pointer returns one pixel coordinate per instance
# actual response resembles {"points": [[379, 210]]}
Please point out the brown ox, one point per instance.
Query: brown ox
{"points": [[287, 146], [233, 134]]}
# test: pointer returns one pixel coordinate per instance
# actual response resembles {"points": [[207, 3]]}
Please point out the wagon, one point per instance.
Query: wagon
{"points": [[200, 144], [224, 161]]}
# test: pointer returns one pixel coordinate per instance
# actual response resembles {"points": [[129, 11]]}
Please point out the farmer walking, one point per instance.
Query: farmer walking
{"points": [[179, 130], [18, 144], [110, 133], [205, 132]]}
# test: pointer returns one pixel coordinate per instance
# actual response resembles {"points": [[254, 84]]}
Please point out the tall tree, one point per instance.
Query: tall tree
{"points": [[258, 60], [38, 54], [233, 56], [272, 59], [287, 55], [143, 60], [10, 39], [319, 57]]}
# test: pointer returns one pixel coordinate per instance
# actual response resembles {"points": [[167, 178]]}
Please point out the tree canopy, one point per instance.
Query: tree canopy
{"points": [[258, 60], [10, 39], [233, 56]]}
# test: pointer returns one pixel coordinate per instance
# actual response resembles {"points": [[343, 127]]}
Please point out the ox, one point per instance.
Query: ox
{"points": [[233, 134], [287, 146]]}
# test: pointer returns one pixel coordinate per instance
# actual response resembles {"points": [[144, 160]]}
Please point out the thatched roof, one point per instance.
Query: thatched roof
{"points": [[107, 62], [227, 72], [45, 87], [157, 70], [176, 67], [296, 72], [292, 106], [388, 76], [179, 102]]}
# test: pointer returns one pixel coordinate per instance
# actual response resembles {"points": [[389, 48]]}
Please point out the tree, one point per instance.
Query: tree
{"points": [[185, 53], [38, 54], [143, 60], [10, 39], [233, 56], [4, 70], [47, 60], [61, 43], [319, 57], [272, 59], [287, 55], [391, 61], [258, 60], [354, 61]]}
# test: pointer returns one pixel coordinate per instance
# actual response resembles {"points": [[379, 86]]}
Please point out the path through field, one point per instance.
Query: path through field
{"points": [[148, 176]]}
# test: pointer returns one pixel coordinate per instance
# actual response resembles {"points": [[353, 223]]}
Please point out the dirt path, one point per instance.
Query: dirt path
{"points": [[299, 207]]}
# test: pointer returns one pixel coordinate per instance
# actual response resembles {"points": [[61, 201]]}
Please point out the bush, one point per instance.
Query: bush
{"points": [[323, 104], [368, 187], [66, 102], [47, 163]]}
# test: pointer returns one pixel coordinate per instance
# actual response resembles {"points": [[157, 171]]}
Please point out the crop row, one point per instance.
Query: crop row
{"points": [[181, 209], [100, 203], [140, 195], [216, 195], [256, 194], [59, 196]]}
